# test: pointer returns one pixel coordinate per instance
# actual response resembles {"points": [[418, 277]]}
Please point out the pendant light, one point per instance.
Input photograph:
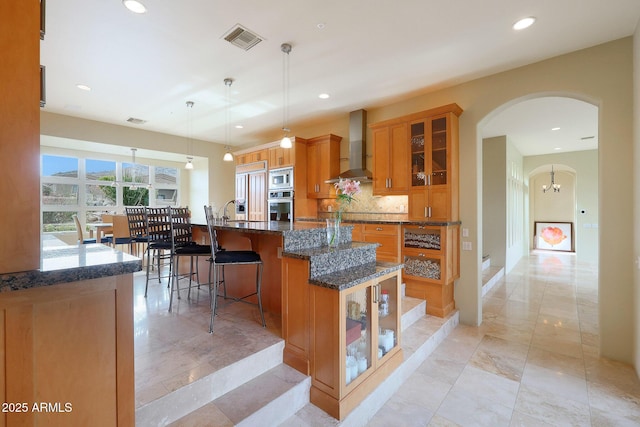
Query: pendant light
{"points": [[554, 186], [189, 164], [286, 49], [228, 157]]}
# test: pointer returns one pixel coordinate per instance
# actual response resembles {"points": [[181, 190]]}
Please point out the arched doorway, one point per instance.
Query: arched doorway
{"points": [[521, 140]]}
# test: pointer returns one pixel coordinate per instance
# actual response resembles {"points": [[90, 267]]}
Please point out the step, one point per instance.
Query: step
{"points": [[418, 342], [278, 394], [490, 277], [189, 398], [267, 400]]}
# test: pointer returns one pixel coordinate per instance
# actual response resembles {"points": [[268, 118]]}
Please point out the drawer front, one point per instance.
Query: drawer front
{"points": [[387, 229], [388, 249]]}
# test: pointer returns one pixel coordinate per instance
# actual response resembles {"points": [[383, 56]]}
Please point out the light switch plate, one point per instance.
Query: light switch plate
{"points": [[466, 246]]}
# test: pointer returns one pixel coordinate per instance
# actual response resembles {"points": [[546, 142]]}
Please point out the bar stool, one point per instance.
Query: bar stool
{"points": [[184, 246], [220, 258]]}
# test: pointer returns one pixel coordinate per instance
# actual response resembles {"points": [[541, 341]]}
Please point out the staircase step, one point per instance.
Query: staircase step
{"points": [[261, 390], [185, 400], [269, 399], [418, 342], [412, 310]]}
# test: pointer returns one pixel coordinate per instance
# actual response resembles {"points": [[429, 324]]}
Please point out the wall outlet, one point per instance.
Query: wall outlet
{"points": [[329, 208], [401, 208]]}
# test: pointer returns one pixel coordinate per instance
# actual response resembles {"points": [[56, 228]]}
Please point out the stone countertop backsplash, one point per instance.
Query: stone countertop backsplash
{"points": [[64, 264]]}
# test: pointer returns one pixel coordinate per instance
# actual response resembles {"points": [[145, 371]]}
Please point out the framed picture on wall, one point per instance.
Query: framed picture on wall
{"points": [[554, 236]]}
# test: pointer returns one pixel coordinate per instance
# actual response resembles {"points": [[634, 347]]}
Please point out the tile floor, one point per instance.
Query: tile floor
{"points": [[175, 349], [533, 362]]}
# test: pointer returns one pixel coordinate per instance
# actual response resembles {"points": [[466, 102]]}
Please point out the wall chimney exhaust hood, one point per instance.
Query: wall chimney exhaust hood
{"points": [[357, 150]]}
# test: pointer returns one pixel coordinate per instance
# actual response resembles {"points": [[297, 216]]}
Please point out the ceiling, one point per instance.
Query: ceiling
{"points": [[364, 54]]}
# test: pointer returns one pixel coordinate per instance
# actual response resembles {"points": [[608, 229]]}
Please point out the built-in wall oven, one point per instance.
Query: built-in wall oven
{"points": [[281, 205]]}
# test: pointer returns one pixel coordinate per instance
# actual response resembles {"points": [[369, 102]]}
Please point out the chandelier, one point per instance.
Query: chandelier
{"points": [[553, 185]]}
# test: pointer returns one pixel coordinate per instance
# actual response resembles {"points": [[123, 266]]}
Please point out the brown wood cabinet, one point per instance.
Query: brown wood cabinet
{"points": [[390, 159], [69, 345], [387, 235], [246, 157], [281, 157], [425, 167], [251, 187], [347, 341], [20, 136], [323, 163], [431, 257], [434, 168]]}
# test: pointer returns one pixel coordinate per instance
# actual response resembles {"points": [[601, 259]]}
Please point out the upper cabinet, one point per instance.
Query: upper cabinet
{"points": [[434, 168], [323, 163], [417, 155], [281, 157], [390, 157], [258, 155]]}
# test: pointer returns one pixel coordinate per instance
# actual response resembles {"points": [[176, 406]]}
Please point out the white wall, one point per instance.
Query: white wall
{"points": [[636, 195], [516, 234], [494, 199]]}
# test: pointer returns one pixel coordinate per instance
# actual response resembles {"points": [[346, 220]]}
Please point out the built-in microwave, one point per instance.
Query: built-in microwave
{"points": [[281, 179]]}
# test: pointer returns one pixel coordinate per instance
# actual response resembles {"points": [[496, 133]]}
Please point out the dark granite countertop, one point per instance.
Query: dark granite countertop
{"points": [[64, 264], [266, 227], [350, 277], [380, 219]]}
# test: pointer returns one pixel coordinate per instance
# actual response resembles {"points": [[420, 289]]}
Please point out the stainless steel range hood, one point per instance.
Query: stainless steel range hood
{"points": [[357, 149]]}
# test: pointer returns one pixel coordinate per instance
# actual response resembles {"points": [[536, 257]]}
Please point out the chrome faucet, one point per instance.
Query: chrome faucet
{"points": [[225, 216]]}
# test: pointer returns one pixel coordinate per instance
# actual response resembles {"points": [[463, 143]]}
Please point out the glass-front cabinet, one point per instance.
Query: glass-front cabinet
{"points": [[346, 363], [366, 307]]}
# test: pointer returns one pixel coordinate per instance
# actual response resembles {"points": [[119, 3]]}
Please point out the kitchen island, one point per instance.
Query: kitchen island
{"points": [[67, 338], [337, 304]]}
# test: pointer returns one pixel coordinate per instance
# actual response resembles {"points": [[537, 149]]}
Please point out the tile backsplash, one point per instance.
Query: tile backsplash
{"points": [[366, 204]]}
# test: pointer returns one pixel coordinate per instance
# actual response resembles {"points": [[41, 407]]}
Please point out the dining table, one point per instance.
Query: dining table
{"points": [[101, 229]]}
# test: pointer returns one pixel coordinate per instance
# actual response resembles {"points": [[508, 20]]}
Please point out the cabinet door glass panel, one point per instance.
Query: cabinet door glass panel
{"points": [[422, 266], [422, 238], [358, 333], [418, 177], [439, 151], [387, 316]]}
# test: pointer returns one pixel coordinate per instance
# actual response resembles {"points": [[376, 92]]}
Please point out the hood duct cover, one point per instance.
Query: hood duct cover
{"points": [[357, 149]]}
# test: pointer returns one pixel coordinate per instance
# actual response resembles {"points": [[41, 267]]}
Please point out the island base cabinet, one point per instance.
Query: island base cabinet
{"points": [[66, 354], [354, 342]]}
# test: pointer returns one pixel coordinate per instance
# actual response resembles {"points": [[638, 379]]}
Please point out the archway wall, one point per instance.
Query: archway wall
{"points": [[601, 75], [577, 202]]}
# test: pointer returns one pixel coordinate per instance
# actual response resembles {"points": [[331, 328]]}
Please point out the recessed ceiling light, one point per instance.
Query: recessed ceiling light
{"points": [[524, 23], [324, 96], [558, 148], [83, 87], [556, 128], [239, 127], [321, 25], [134, 6]]}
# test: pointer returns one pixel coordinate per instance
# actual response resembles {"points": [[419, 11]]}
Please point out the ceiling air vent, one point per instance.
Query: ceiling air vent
{"points": [[243, 38], [136, 121]]}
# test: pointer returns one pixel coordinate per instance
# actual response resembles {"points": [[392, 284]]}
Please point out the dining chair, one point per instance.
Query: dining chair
{"points": [[81, 239], [121, 234], [136, 220], [184, 246], [221, 258], [158, 224]]}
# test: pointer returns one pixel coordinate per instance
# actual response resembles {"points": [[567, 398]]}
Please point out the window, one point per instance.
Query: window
{"points": [[90, 187]]}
